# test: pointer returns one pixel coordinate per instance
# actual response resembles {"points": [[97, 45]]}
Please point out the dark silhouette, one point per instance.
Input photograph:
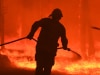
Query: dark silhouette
{"points": [[95, 28], [46, 47]]}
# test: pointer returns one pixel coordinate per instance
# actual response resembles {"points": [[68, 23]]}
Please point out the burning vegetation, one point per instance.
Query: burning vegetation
{"points": [[17, 56]]}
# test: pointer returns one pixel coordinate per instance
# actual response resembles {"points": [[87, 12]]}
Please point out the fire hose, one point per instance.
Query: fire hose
{"points": [[36, 41]]}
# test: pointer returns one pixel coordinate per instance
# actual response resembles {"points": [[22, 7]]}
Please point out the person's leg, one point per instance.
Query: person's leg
{"points": [[39, 69], [49, 62], [47, 69]]}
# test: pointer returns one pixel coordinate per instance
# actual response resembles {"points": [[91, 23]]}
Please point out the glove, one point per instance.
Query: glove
{"points": [[66, 48], [29, 37]]}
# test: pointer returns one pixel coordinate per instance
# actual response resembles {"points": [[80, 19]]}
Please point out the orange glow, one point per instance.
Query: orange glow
{"points": [[78, 17], [64, 63]]}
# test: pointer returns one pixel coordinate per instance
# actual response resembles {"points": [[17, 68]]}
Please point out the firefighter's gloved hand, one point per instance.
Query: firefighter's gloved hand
{"points": [[29, 37], [66, 48]]}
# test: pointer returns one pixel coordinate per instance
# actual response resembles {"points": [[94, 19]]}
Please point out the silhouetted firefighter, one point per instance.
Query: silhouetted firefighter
{"points": [[46, 47]]}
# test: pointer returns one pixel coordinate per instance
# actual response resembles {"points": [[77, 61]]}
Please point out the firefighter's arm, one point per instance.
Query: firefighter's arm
{"points": [[34, 27], [64, 40]]}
